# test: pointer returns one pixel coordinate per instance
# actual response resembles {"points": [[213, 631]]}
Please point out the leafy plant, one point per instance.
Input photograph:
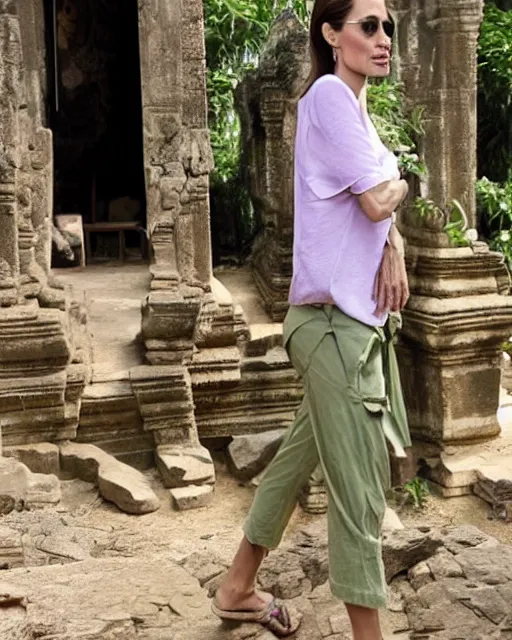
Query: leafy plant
{"points": [[507, 347], [494, 202], [495, 94], [417, 490], [427, 212], [235, 31], [453, 220], [456, 225], [397, 129]]}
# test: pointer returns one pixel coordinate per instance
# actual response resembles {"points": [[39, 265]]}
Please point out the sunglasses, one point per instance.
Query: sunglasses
{"points": [[371, 24]]}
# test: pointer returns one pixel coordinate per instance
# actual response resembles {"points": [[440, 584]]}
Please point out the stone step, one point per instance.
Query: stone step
{"points": [[110, 419]]}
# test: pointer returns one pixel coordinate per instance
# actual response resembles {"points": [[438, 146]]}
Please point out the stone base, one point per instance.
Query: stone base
{"points": [[266, 398], [43, 370], [110, 419], [274, 293], [485, 469]]}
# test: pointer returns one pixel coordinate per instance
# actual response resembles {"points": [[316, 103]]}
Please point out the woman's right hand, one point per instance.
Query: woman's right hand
{"points": [[391, 290]]}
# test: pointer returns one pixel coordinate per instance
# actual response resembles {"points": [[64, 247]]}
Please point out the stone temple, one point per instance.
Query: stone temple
{"points": [[103, 115]]}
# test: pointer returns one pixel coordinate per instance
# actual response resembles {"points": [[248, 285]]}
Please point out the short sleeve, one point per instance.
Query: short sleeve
{"points": [[340, 151]]}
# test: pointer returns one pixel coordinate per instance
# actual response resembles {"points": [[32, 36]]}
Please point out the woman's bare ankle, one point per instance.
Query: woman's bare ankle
{"points": [[232, 597]]}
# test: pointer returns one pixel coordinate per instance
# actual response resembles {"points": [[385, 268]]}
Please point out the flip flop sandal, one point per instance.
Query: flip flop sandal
{"points": [[275, 617]]}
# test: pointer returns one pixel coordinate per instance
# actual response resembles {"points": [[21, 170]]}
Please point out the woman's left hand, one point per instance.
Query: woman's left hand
{"points": [[391, 290]]}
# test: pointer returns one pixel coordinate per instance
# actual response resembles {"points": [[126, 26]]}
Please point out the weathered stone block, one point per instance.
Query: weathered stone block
{"points": [[126, 488], [22, 486], [117, 482], [39, 458], [14, 478], [42, 490], [11, 551], [249, 455], [185, 466], [403, 550], [192, 497]]}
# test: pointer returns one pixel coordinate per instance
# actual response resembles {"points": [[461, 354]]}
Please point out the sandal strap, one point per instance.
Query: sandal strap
{"points": [[277, 618]]}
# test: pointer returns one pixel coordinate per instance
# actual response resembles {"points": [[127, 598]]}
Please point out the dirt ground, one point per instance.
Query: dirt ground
{"points": [[218, 527]]}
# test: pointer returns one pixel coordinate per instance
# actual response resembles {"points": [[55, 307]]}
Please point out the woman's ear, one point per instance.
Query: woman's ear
{"points": [[329, 34]]}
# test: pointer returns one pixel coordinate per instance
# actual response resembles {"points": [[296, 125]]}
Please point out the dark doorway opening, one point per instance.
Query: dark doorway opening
{"points": [[95, 112]]}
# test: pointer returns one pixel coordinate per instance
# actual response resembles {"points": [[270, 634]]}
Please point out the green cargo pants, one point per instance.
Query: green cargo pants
{"points": [[352, 404]]}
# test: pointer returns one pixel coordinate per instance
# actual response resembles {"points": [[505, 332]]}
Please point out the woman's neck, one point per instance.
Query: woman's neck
{"points": [[355, 81], [363, 95]]}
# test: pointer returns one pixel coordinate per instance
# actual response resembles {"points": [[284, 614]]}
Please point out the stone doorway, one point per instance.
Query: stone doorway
{"points": [[94, 108]]}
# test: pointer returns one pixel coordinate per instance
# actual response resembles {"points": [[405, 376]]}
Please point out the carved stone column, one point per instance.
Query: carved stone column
{"points": [[10, 86], [42, 366], [437, 61], [267, 101], [179, 311], [177, 163], [458, 315]]}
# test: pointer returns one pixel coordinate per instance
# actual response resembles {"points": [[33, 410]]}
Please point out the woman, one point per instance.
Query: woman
{"points": [[348, 274]]}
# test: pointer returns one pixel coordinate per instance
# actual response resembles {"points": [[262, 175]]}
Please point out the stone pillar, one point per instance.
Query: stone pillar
{"points": [[457, 316], [437, 60], [267, 101], [42, 366], [10, 68], [177, 163], [35, 176], [178, 315]]}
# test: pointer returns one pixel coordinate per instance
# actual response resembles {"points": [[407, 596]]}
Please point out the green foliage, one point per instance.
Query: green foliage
{"points": [[453, 220], [428, 213], [456, 225], [495, 94], [502, 242], [417, 491], [507, 347], [235, 31], [494, 202], [397, 129]]}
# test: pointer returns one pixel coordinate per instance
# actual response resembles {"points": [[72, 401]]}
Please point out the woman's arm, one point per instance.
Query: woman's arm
{"points": [[395, 240], [380, 202], [391, 291]]}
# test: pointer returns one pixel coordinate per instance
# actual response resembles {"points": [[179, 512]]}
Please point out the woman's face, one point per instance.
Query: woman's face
{"points": [[363, 48]]}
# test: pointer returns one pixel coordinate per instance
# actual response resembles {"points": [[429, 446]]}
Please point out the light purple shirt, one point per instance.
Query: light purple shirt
{"points": [[337, 249]]}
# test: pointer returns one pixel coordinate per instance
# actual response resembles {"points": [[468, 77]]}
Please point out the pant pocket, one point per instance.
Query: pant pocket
{"points": [[370, 382]]}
